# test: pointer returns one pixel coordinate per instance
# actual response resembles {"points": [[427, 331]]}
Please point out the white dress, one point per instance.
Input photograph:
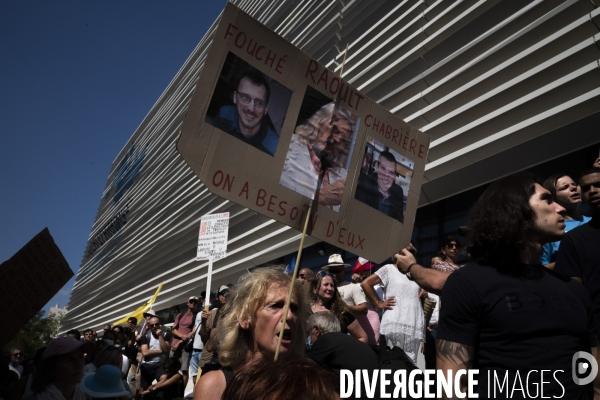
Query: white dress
{"points": [[404, 325]]}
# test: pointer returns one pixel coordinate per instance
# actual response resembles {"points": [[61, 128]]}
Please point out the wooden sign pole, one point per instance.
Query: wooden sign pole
{"points": [[208, 283], [294, 275]]}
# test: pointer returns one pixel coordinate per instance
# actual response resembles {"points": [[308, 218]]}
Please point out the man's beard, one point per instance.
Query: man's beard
{"points": [[326, 153]]}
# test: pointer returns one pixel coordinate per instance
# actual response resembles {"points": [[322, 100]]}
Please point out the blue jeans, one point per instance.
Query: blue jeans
{"points": [[194, 362]]}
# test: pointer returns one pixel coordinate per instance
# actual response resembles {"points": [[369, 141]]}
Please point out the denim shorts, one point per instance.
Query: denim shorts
{"points": [[194, 362]]}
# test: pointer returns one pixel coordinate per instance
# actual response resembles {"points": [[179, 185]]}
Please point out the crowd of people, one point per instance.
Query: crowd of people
{"points": [[527, 299]]}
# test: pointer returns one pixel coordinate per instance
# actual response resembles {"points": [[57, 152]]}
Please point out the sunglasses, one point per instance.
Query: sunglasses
{"points": [[193, 301], [224, 293], [17, 354], [154, 325], [452, 246], [323, 274], [304, 276]]}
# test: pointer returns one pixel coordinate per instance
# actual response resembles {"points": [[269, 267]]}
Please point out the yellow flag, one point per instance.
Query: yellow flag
{"points": [[139, 313]]}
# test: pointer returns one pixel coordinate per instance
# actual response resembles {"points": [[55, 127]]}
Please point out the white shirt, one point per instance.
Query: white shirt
{"points": [[18, 369], [351, 293], [125, 367], [197, 339]]}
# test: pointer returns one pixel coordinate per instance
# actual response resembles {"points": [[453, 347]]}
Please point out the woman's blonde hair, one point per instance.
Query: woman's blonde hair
{"points": [[248, 295]]}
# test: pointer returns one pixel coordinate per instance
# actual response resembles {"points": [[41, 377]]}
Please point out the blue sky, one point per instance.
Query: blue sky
{"points": [[76, 80]]}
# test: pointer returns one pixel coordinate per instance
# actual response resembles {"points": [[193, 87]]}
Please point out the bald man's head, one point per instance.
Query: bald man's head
{"points": [[305, 275]]}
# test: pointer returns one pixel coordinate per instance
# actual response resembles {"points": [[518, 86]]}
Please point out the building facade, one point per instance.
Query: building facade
{"points": [[500, 86]]}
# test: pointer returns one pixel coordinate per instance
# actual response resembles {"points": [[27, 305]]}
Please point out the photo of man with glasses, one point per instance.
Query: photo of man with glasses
{"points": [[379, 189], [246, 118]]}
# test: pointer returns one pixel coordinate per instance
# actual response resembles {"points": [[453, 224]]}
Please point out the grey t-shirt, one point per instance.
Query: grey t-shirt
{"points": [[153, 344]]}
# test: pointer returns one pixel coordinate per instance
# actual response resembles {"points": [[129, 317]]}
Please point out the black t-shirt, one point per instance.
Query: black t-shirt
{"points": [[346, 320], [530, 319], [170, 392], [338, 350], [579, 255]]}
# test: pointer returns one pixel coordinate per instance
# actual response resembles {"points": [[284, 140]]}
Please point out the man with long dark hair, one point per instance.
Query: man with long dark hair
{"points": [[505, 314], [567, 193]]}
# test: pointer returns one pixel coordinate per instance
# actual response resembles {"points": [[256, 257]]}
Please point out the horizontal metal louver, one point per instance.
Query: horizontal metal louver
{"points": [[497, 85]]}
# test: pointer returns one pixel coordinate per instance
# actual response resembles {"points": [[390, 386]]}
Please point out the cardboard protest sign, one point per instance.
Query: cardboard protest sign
{"points": [[30, 279], [212, 239], [270, 128]]}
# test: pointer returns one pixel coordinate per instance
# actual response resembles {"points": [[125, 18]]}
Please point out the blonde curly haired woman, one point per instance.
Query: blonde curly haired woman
{"points": [[250, 324]]}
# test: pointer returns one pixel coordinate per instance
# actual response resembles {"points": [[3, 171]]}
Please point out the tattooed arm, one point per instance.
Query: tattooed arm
{"points": [[454, 356]]}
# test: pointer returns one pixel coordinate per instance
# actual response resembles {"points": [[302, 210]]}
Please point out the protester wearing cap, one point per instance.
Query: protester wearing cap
{"points": [[209, 322], [104, 383], [142, 328], [183, 333], [351, 293], [61, 369]]}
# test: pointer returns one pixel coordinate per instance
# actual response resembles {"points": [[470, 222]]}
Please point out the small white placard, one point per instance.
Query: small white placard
{"points": [[212, 240]]}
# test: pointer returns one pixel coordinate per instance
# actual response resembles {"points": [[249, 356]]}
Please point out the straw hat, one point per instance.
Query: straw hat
{"points": [[335, 260]]}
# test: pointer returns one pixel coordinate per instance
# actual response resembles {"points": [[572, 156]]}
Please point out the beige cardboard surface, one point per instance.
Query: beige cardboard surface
{"points": [[30, 279], [247, 169]]}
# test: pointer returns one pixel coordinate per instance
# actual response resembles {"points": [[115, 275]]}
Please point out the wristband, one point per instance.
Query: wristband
{"points": [[408, 275]]}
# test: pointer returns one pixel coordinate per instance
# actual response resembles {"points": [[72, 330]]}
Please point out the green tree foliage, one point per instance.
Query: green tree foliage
{"points": [[37, 333]]}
